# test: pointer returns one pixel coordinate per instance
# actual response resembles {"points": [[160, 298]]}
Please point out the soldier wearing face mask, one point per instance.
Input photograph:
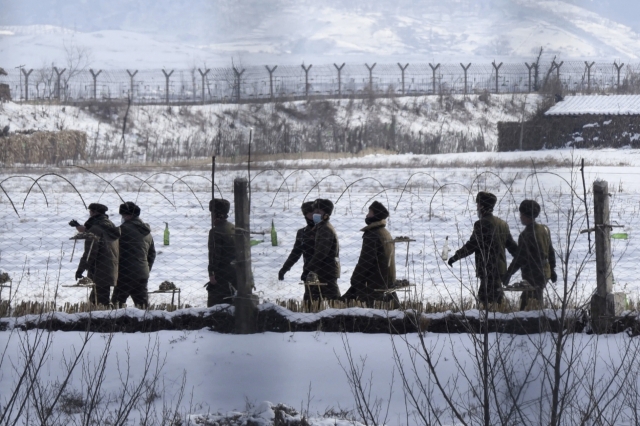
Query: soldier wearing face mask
{"points": [[376, 268], [489, 239], [325, 263], [305, 240]]}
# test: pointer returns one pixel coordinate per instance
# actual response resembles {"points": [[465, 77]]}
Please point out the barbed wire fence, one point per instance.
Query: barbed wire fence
{"points": [[283, 83], [425, 210]]}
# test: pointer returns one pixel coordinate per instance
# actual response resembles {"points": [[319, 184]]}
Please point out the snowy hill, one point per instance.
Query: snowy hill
{"points": [[179, 33]]}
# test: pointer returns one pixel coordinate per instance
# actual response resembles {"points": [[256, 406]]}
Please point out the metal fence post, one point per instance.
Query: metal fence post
{"points": [[465, 75], [238, 78], [58, 75], [530, 68], [95, 82], [618, 68], [589, 65], [497, 68], [270, 71], [245, 302], [167, 76], [402, 69], [131, 75], [306, 79], [203, 75], [339, 68], [433, 70], [26, 83], [370, 68]]}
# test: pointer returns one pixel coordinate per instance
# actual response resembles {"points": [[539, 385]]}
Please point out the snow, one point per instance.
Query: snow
{"points": [[597, 104]]}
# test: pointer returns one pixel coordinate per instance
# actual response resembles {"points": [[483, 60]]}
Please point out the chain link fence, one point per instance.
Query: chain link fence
{"points": [[431, 214], [254, 83]]}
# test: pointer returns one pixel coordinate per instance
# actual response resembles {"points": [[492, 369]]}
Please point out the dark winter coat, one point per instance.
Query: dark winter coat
{"points": [[490, 238], [376, 268], [325, 260], [535, 255], [137, 250], [103, 256], [222, 251], [305, 241]]}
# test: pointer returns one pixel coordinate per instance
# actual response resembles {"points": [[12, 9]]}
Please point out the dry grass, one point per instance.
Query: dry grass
{"points": [[52, 148]]}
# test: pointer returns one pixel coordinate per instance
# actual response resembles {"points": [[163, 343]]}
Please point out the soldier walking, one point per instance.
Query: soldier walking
{"points": [[222, 252], [488, 241], [535, 255], [101, 252], [137, 254], [325, 262], [376, 269], [305, 240]]}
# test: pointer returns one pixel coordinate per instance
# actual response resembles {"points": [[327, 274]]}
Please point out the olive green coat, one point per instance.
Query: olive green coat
{"points": [[101, 260], [376, 266], [535, 255], [490, 238]]}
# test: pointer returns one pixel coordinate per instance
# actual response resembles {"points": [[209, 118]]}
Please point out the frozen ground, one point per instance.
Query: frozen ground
{"points": [[427, 203]]}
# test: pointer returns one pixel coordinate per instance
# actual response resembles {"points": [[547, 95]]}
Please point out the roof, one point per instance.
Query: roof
{"points": [[2, 72], [597, 105]]}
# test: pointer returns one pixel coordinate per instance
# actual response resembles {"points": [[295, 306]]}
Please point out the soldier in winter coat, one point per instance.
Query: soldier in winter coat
{"points": [[490, 238], [376, 268], [137, 254], [101, 254], [305, 240], [222, 252], [535, 255], [325, 262]]}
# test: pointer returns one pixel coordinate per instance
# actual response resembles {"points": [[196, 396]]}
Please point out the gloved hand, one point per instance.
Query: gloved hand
{"points": [[281, 273], [554, 276], [74, 223], [79, 273], [452, 260]]}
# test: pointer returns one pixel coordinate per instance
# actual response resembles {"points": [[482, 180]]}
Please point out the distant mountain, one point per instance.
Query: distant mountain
{"points": [[180, 33]]}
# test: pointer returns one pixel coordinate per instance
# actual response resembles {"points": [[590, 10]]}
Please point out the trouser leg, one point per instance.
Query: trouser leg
{"points": [[100, 293], [528, 296], [218, 293], [139, 293], [490, 291]]}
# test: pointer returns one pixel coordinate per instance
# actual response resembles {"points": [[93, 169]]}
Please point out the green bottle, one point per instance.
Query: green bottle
{"points": [[274, 234], [166, 233]]}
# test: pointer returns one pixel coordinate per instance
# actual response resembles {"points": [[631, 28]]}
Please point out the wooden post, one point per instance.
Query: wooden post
{"points": [[465, 76], [238, 75], [370, 68], [497, 68], [270, 71], [95, 82], [339, 68], [245, 302], [203, 75], [618, 68], [402, 69], [604, 304], [306, 79], [58, 75], [131, 75], [433, 70], [167, 76], [589, 65], [26, 83]]}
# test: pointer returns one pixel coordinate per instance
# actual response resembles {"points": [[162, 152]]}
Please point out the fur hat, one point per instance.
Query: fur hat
{"points": [[530, 208], [379, 210], [97, 207], [486, 200], [220, 206], [324, 205], [129, 208], [307, 207]]}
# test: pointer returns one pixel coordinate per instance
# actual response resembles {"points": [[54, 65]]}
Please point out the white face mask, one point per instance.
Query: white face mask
{"points": [[479, 213], [317, 218], [122, 220]]}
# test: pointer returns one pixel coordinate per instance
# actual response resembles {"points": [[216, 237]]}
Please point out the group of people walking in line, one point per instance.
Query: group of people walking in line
{"points": [[122, 257]]}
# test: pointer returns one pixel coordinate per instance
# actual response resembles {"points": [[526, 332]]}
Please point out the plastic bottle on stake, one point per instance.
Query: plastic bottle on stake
{"points": [[445, 250], [166, 233], [274, 234]]}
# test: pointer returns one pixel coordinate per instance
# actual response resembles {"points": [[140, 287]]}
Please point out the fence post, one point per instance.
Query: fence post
{"points": [[465, 76], [26, 83], [557, 67], [167, 76], [203, 75], [238, 75], [245, 302], [131, 75], [58, 75], [618, 68], [589, 65], [530, 68], [306, 79], [370, 68], [604, 303], [339, 68], [270, 71], [433, 70], [95, 82], [402, 69], [497, 68]]}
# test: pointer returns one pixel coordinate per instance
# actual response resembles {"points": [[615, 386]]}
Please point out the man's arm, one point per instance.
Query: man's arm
{"points": [[296, 252], [510, 243], [211, 245], [519, 258], [363, 270], [151, 255], [470, 246]]}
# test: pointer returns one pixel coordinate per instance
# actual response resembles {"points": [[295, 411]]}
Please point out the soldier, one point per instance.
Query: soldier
{"points": [[325, 262], [488, 241], [137, 254], [376, 268], [535, 255], [305, 240], [222, 252], [100, 257]]}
